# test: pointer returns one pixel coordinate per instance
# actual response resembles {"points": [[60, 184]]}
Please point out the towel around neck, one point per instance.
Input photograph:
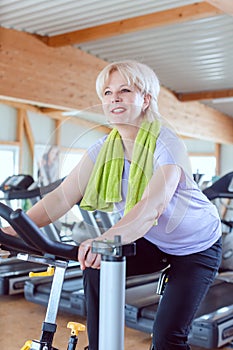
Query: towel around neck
{"points": [[104, 186]]}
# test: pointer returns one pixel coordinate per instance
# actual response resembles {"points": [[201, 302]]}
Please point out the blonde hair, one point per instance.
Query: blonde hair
{"points": [[138, 74]]}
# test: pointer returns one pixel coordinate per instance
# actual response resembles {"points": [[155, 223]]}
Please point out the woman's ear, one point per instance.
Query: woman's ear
{"points": [[146, 103]]}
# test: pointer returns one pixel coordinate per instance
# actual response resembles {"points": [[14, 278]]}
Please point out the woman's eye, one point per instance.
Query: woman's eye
{"points": [[107, 92], [125, 90]]}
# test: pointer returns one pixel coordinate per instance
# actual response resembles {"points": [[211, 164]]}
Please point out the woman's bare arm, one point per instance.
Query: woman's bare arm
{"points": [[141, 218], [56, 203]]}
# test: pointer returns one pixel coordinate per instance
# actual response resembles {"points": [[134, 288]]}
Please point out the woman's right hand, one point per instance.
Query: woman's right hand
{"points": [[85, 256], [9, 230]]}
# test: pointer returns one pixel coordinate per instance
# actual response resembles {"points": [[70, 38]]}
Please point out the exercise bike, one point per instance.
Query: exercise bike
{"points": [[34, 246]]}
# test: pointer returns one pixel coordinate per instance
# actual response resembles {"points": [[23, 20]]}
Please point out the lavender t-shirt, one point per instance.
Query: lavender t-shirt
{"points": [[190, 223]]}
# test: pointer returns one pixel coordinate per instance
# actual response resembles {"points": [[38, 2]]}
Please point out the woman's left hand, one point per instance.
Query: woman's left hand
{"points": [[85, 256]]}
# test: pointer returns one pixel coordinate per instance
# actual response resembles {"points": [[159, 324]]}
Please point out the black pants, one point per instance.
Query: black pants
{"points": [[190, 277]]}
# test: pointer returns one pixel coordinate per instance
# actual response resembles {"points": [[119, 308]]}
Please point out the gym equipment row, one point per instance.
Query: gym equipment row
{"points": [[213, 325], [14, 273]]}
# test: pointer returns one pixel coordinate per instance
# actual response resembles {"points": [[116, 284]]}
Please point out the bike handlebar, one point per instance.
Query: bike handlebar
{"points": [[16, 244], [32, 193], [33, 239]]}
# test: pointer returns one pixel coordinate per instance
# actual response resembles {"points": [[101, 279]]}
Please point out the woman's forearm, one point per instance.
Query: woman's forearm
{"points": [[155, 199], [50, 208], [133, 225]]}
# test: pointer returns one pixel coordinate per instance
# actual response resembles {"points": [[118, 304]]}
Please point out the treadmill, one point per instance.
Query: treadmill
{"points": [[13, 272], [72, 297]]}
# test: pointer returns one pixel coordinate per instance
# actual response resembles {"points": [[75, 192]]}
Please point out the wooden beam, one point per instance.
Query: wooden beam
{"points": [[20, 121], [195, 119], [19, 135], [58, 124], [201, 154], [51, 111], [31, 72], [29, 134], [224, 5], [65, 78], [80, 121], [218, 157], [204, 95], [29, 106], [152, 20], [57, 114], [10, 143]]}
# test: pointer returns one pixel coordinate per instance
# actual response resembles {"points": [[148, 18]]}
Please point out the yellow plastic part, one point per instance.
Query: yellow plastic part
{"points": [[27, 345], [76, 327], [49, 272]]}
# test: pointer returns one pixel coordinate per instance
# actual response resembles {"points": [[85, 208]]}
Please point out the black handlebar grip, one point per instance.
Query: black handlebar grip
{"points": [[10, 243], [29, 231]]}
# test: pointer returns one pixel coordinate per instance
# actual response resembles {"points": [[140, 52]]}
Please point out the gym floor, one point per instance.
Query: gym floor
{"points": [[21, 320]]}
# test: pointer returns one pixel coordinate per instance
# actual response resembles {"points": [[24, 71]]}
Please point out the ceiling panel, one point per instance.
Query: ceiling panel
{"points": [[188, 57]]}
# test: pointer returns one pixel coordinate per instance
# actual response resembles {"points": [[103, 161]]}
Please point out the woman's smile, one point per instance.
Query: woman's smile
{"points": [[122, 103], [118, 110]]}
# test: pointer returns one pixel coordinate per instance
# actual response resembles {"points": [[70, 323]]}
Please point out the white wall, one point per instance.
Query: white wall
{"points": [[75, 136], [226, 162], [8, 123], [198, 146], [43, 128]]}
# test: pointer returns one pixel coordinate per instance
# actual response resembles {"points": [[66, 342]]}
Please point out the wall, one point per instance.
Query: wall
{"points": [[75, 136], [43, 132], [226, 160], [8, 122]]}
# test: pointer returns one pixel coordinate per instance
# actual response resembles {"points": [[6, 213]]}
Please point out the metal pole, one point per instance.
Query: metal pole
{"points": [[112, 291], [112, 303]]}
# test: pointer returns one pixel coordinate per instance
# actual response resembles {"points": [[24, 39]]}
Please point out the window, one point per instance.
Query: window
{"points": [[9, 160], [9, 156], [205, 165]]}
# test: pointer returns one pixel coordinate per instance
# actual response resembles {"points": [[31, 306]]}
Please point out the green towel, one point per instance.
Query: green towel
{"points": [[104, 186]]}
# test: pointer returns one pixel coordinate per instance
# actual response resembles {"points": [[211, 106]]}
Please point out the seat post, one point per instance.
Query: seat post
{"points": [[112, 292]]}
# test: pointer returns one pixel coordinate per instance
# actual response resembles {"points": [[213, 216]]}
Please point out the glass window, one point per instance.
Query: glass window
{"points": [[205, 166], [9, 157]]}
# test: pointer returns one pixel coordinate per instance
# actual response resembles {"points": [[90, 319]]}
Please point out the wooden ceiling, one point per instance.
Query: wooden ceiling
{"points": [[55, 71]]}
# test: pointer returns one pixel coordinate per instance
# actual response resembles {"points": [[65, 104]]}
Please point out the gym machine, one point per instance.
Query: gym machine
{"points": [[213, 325], [72, 297], [38, 248], [14, 273]]}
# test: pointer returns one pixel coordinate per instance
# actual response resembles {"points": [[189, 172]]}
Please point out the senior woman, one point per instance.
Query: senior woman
{"points": [[142, 170]]}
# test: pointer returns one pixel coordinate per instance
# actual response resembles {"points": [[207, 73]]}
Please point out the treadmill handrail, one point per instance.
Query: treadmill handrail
{"points": [[222, 188], [33, 236], [39, 191]]}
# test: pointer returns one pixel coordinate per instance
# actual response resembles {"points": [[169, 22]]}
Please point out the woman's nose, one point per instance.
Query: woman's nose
{"points": [[116, 97]]}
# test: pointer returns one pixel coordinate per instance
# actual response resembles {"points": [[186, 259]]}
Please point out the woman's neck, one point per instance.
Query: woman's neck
{"points": [[128, 135]]}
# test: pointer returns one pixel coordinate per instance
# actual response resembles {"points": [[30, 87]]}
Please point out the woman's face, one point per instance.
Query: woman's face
{"points": [[123, 104]]}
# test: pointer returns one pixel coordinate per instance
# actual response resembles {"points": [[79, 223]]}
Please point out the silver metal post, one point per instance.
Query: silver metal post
{"points": [[55, 292], [112, 291], [112, 305]]}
